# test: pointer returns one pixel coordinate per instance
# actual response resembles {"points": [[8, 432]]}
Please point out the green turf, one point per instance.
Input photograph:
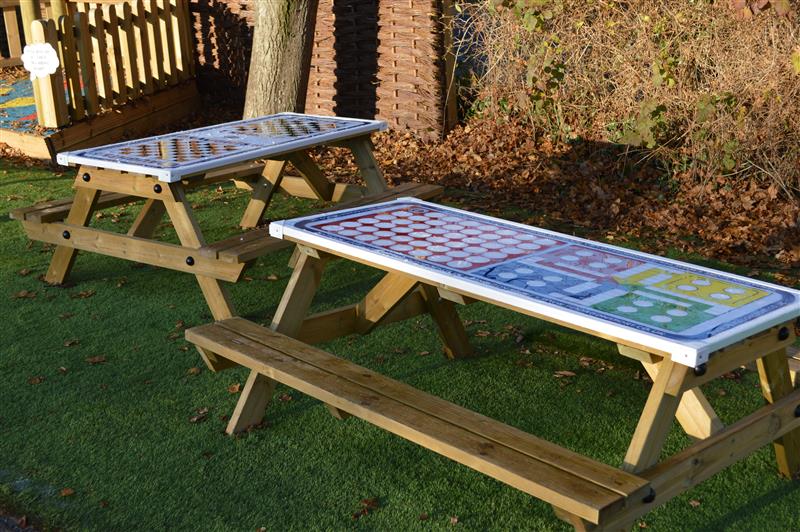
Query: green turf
{"points": [[119, 435]]}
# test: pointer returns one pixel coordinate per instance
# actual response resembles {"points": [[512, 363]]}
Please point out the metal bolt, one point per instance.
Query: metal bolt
{"points": [[65, 234], [650, 496], [86, 177], [783, 333], [190, 261], [701, 369], [797, 411], [157, 188]]}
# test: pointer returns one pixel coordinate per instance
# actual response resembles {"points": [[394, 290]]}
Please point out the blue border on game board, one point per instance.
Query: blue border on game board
{"points": [[786, 298]]}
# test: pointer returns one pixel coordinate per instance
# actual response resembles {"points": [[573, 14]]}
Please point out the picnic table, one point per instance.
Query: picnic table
{"points": [[160, 170], [686, 324]]}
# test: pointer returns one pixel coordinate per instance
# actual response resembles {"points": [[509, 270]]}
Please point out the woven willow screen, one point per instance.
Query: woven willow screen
{"points": [[371, 59]]}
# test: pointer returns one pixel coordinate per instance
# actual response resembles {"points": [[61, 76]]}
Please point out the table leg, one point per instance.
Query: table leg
{"points": [[148, 219], [288, 319], [64, 257], [263, 189], [451, 329], [180, 213], [368, 166], [695, 414], [657, 417], [320, 185], [773, 371]]}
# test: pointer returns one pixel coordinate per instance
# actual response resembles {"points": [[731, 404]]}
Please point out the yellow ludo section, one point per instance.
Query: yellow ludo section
{"points": [[696, 286]]}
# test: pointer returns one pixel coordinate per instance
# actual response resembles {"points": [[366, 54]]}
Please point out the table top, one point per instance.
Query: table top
{"points": [[176, 155], [632, 297]]}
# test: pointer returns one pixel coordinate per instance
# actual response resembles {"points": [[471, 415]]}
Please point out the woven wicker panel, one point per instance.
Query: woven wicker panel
{"points": [[371, 58]]}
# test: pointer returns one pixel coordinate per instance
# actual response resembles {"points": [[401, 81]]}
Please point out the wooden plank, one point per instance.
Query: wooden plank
{"points": [[105, 91], [85, 57], [523, 462], [69, 60], [143, 62], [115, 59], [130, 55], [189, 39], [773, 372], [115, 181], [657, 417], [126, 247], [449, 326], [319, 184], [12, 32], [64, 256], [51, 97], [12, 62], [52, 212], [688, 468], [168, 42], [288, 319], [30, 10], [154, 39], [180, 213], [263, 189], [31, 145], [370, 171], [183, 53], [213, 361]]}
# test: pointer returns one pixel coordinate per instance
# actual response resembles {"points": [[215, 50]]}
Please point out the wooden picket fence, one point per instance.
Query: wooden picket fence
{"points": [[112, 53]]}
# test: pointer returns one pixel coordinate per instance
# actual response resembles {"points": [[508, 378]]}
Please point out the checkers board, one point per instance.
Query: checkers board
{"points": [[176, 155], [673, 307]]}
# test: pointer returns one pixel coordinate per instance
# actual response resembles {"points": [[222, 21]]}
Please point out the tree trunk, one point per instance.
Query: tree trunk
{"points": [[281, 58]]}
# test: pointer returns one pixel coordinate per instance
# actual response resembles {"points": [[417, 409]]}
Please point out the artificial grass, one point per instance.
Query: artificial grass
{"points": [[119, 434]]}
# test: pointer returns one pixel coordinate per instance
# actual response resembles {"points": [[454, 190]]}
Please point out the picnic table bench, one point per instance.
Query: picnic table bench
{"points": [[686, 324], [160, 170]]}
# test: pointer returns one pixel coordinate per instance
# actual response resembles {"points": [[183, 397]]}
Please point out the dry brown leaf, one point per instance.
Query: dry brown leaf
{"points": [[36, 380], [564, 373], [83, 294], [24, 271], [235, 388], [454, 520], [67, 492], [201, 415], [694, 503], [24, 294], [71, 342], [194, 371], [423, 516], [99, 359], [272, 277], [285, 397]]}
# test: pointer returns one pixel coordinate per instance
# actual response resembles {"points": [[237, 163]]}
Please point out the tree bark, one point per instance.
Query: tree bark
{"points": [[281, 57]]}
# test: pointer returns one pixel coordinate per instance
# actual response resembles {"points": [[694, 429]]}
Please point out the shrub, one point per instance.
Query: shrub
{"points": [[697, 86]]}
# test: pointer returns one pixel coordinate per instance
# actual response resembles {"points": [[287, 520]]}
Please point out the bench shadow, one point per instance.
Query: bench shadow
{"points": [[736, 516]]}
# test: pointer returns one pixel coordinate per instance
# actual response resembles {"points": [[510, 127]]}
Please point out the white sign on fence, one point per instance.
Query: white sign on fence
{"points": [[40, 59]]}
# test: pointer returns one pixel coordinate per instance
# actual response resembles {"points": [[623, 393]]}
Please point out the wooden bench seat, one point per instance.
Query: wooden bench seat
{"points": [[57, 210], [572, 483], [252, 244]]}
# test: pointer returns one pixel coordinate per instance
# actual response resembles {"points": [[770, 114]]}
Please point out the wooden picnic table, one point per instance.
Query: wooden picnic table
{"points": [[160, 170], [686, 324]]}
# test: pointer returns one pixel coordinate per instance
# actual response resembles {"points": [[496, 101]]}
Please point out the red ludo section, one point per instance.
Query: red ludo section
{"points": [[448, 239], [585, 261]]}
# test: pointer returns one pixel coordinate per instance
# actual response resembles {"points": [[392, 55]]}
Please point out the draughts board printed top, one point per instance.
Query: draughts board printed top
{"points": [[173, 156], [681, 309]]}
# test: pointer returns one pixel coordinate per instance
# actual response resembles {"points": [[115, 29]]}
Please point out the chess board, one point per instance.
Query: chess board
{"points": [[176, 155], [675, 307]]}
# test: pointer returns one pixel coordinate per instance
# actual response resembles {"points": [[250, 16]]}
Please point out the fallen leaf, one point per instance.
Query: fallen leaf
{"points": [[184, 348], [67, 492], [83, 294], [694, 503], [66, 315], [100, 359], [642, 524], [62, 370], [454, 520], [174, 335], [722, 393], [370, 503], [202, 414], [24, 271], [104, 504], [180, 324], [285, 397], [272, 277], [194, 371], [24, 294], [122, 282], [563, 373], [36, 380], [235, 388], [482, 333], [424, 353], [423, 516], [71, 342]]}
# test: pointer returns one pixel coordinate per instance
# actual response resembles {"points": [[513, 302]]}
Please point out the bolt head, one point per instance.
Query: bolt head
{"points": [[783, 333], [157, 188], [650, 496], [190, 261], [701, 369], [66, 234], [797, 411], [86, 177]]}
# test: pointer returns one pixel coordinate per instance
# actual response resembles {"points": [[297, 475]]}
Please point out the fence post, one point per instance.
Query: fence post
{"points": [[31, 10], [69, 61], [51, 107], [58, 8]]}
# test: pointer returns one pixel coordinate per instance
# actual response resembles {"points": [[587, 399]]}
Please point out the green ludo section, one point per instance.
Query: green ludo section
{"points": [[656, 312]]}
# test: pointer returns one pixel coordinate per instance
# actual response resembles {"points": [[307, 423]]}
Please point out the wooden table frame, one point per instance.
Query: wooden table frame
{"points": [[675, 394], [97, 188]]}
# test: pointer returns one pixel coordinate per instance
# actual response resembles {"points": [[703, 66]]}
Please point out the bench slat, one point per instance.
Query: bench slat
{"points": [[57, 210], [455, 437]]}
